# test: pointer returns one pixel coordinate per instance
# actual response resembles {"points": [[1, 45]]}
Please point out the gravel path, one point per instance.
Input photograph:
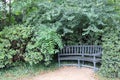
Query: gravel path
{"points": [[67, 73]]}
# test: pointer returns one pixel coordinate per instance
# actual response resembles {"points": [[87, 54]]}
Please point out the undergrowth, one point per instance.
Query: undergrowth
{"points": [[24, 70]]}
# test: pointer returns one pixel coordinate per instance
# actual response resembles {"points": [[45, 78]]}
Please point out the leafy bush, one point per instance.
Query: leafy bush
{"points": [[13, 41], [46, 41], [19, 43], [111, 57]]}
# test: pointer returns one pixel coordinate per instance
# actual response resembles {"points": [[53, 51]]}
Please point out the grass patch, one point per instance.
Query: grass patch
{"points": [[100, 77], [104, 78], [24, 70]]}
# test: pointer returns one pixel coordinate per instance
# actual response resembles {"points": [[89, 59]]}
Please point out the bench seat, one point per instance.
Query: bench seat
{"points": [[70, 58]]}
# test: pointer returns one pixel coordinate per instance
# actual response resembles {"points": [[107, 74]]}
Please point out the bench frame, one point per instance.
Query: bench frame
{"points": [[90, 53]]}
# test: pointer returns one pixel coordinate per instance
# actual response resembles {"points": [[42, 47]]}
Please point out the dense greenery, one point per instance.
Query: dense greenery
{"points": [[13, 41], [111, 57], [79, 22], [44, 23], [19, 43]]}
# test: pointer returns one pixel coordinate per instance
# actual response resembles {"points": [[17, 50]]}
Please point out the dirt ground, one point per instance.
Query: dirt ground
{"points": [[67, 73]]}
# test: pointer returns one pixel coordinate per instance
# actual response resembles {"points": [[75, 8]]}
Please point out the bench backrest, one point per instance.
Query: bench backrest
{"points": [[81, 49]]}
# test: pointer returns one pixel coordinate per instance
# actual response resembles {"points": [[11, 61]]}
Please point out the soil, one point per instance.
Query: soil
{"points": [[67, 73]]}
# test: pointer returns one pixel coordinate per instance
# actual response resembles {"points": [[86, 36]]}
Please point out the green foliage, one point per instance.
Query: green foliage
{"points": [[12, 43], [46, 41], [111, 57], [85, 19], [79, 22], [2, 14], [27, 44]]}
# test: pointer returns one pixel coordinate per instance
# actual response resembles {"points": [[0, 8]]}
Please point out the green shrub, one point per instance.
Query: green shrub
{"points": [[111, 57], [13, 41], [45, 40], [27, 44]]}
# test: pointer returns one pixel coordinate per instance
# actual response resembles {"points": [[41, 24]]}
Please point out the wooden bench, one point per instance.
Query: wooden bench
{"points": [[81, 53]]}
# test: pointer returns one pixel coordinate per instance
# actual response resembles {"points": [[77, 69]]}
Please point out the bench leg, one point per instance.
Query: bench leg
{"points": [[94, 63], [78, 63], [83, 62], [59, 62]]}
